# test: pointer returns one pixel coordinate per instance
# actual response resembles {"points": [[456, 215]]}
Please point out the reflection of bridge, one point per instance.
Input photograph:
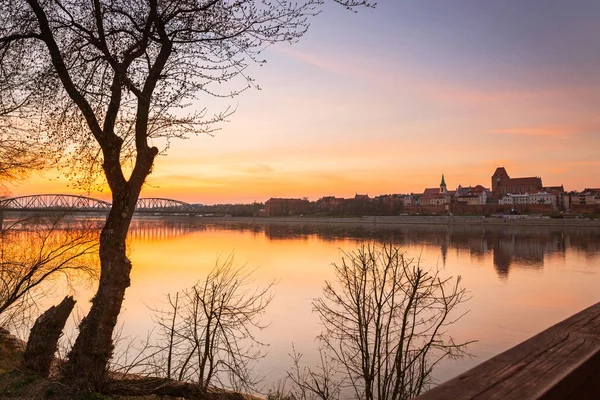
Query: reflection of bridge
{"points": [[71, 203]]}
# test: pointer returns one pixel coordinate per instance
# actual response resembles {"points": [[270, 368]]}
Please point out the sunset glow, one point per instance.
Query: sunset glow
{"points": [[386, 100]]}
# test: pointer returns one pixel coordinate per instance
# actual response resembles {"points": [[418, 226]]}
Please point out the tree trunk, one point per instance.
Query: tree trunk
{"points": [[89, 357], [43, 339]]}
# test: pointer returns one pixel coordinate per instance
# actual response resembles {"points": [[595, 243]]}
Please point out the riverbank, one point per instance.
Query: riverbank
{"points": [[414, 220], [18, 384]]}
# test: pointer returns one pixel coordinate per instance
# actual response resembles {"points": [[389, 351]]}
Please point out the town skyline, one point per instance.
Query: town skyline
{"points": [[385, 100], [418, 191]]}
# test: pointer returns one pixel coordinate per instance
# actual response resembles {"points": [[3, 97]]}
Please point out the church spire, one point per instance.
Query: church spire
{"points": [[443, 186]]}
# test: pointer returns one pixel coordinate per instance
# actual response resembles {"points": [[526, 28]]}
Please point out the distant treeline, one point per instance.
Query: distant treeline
{"points": [[333, 206]]}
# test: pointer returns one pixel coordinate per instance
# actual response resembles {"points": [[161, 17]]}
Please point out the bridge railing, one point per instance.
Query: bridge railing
{"points": [[59, 202], [65, 202], [161, 204]]}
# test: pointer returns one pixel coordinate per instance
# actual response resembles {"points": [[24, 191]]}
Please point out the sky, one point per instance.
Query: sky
{"points": [[387, 100]]}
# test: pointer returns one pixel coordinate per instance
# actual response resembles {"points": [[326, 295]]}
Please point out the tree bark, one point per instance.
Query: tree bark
{"points": [[89, 357], [43, 339]]}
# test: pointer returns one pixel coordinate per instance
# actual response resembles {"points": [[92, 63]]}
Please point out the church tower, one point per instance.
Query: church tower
{"points": [[500, 176], [443, 186]]}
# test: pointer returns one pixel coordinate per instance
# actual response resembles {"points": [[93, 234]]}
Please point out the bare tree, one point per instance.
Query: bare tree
{"points": [[108, 80], [209, 331], [316, 383], [18, 157], [22, 150], [33, 253], [20, 154], [385, 322]]}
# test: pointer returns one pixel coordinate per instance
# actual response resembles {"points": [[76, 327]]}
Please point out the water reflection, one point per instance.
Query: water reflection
{"points": [[526, 247], [39, 254], [522, 279]]}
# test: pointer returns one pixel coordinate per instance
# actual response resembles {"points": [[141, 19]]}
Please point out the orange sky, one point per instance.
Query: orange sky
{"points": [[386, 100]]}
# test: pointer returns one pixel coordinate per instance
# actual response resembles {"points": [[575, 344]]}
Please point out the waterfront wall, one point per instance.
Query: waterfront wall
{"points": [[507, 220], [482, 209]]}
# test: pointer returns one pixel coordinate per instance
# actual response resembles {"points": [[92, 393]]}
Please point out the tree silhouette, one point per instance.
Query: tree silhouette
{"points": [[19, 154], [107, 79], [385, 323]]}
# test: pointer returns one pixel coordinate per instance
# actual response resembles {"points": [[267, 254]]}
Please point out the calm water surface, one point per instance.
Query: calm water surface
{"points": [[521, 280]]}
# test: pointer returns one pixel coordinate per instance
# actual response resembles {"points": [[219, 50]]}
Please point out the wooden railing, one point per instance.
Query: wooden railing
{"points": [[562, 362]]}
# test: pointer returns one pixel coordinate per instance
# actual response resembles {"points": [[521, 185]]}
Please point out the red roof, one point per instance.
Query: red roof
{"points": [[536, 181], [500, 171], [431, 191]]}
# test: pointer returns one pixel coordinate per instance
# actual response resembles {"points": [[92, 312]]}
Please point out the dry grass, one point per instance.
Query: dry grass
{"points": [[11, 351], [20, 385], [16, 384]]}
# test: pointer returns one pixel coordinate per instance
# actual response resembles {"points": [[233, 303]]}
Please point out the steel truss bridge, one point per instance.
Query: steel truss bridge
{"points": [[72, 203]]}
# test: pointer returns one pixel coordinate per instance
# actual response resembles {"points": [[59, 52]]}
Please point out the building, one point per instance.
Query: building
{"points": [[330, 204], [529, 199], [587, 197], [503, 184], [587, 201], [409, 200], [281, 207], [360, 204], [558, 192], [437, 197], [388, 204], [472, 196]]}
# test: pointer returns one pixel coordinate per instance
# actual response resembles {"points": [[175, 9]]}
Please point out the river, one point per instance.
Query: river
{"points": [[520, 280]]}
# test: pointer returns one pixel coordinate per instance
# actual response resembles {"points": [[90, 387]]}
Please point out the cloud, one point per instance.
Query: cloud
{"points": [[341, 64], [445, 87], [587, 163], [557, 171], [556, 132], [255, 169]]}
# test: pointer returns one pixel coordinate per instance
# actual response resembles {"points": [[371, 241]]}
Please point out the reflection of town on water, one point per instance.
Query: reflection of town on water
{"points": [[508, 245], [500, 265], [512, 245]]}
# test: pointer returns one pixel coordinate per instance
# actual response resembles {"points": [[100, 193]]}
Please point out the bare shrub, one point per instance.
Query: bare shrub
{"points": [[35, 252], [384, 326], [317, 383], [208, 333]]}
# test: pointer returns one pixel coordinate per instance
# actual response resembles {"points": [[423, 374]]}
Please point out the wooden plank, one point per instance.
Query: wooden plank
{"points": [[558, 363]]}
